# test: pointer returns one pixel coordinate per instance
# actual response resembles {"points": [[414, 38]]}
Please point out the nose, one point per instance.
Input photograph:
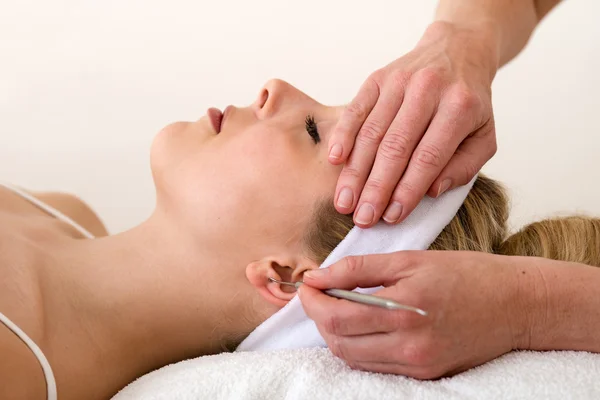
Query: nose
{"points": [[276, 95]]}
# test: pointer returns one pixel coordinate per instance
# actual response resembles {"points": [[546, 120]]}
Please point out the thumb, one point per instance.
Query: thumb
{"points": [[361, 271]]}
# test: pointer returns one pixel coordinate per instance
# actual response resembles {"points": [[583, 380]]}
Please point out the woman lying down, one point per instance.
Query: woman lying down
{"points": [[239, 199]]}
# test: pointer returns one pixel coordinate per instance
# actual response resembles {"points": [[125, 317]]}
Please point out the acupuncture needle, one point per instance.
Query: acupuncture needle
{"points": [[359, 298]]}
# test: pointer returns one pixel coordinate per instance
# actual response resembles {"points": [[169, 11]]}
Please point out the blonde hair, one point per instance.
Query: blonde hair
{"points": [[481, 225]]}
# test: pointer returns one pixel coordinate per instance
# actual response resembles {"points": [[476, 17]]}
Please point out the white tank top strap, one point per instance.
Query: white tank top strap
{"points": [[37, 352], [46, 368], [47, 208]]}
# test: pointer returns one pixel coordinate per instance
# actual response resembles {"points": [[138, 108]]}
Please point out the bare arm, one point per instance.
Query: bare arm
{"points": [[564, 308], [507, 23]]}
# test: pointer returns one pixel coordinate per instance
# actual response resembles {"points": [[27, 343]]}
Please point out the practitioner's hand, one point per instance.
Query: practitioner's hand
{"points": [[421, 125], [479, 307]]}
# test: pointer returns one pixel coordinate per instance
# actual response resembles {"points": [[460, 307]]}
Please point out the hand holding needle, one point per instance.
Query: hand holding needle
{"points": [[360, 298]]}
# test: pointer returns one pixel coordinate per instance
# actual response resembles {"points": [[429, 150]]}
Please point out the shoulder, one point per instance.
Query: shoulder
{"points": [[74, 208]]}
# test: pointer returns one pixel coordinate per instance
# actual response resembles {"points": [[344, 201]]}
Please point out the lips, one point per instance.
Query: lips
{"points": [[216, 118]]}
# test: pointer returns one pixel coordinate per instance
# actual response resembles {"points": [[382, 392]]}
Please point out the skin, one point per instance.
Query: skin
{"points": [[479, 306], [424, 123], [228, 215]]}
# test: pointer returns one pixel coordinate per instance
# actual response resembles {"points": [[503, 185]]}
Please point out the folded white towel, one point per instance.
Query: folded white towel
{"points": [[316, 374], [291, 328]]}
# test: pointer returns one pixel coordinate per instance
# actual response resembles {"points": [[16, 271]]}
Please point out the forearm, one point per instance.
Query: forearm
{"points": [[565, 307], [507, 24]]}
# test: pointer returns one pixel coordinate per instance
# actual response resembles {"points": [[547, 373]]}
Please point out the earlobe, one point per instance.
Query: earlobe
{"points": [[259, 272]]}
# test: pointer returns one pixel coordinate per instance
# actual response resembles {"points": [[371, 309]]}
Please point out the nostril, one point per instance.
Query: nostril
{"points": [[262, 98]]}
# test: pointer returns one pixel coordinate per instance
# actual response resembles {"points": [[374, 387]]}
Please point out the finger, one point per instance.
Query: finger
{"points": [[359, 163], [376, 347], [352, 118], [335, 317], [411, 371], [467, 161], [364, 271], [443, 136], [386, 348], [394, 153]]}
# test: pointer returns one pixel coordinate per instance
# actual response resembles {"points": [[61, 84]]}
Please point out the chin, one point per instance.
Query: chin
{"points": [[173, 146], [163, 150]]}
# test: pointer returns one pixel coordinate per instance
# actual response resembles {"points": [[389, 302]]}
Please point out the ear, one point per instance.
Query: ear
{"points": [[281, 268]]}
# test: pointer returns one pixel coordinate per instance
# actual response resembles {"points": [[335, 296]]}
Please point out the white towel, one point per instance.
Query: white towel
{"points": [[291, 328], [316, 374]]}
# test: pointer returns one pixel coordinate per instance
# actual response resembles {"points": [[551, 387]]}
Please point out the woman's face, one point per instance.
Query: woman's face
{"points": [[252, 185]]}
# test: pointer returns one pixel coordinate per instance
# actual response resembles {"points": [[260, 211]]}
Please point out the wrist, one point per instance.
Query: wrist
{"points": [[527, 301], [480, 42], [551, 305], [562, 306]]}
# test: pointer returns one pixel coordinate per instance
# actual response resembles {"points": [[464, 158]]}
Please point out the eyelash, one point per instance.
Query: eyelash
{"points": [[311, 128]]}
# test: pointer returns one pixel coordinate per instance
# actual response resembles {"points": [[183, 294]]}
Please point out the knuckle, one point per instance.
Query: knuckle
{"points": [[357, 110], [336, 347], [350, 171], [409, 259], [372, 189], [395, 147], [407, 189], [332, 325], [370, 132], [493, 146], [353, 265], [464, 100], [470, 170], [466, 170], [418, 355], [429, 156], [429, 77], [396, 355], [375, 78]]}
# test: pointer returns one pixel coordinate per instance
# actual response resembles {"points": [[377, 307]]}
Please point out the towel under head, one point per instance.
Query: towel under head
{"points": [[291, 328]]}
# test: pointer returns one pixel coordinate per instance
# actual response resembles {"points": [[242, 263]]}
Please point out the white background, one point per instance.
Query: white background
{"points": [[85, 85]]}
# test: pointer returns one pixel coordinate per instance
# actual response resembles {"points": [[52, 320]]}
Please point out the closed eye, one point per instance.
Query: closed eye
{"points": [[311, 128]]}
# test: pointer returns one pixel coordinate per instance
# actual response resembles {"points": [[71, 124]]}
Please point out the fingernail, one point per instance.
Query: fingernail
{"points": [[444, 186], [336, 151], [345, 198], [365, 215], [393, 212], [316, 273]]}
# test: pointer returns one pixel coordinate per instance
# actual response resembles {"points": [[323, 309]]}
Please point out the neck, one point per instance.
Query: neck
{"points": [[154, 296]]}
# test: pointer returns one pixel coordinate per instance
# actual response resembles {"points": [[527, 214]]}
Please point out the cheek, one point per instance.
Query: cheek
{"points": [[251, 188], [255, 188]]}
